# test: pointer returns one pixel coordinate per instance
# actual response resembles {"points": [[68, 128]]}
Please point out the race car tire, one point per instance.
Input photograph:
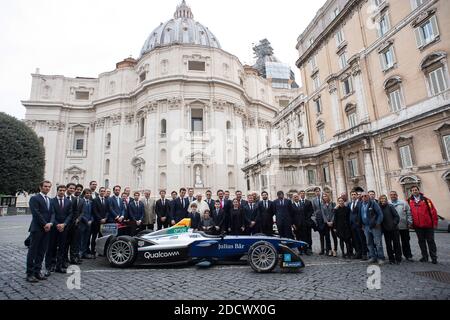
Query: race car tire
{"points": [[122, 252], [262, 257]]}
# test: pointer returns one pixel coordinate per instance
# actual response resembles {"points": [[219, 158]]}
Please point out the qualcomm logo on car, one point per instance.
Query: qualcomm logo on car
{"points": [[161, 254]]}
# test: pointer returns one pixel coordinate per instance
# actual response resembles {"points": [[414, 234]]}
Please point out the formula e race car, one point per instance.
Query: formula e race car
{"points": [[181, 245]]}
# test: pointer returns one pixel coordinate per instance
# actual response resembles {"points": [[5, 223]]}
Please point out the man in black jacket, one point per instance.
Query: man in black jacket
{"points": [[309, 223], [100, 210], [265, 215], [162, 209], [73, 234], [250, 215], [61, 209], [180, 208], [40, 228]]}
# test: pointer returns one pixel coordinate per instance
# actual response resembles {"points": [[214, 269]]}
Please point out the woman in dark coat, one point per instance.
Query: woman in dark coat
{"points": [[343, 228], [237, 220]]}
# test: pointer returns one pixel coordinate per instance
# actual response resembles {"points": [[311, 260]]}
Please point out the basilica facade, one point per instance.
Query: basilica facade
{"points": [[185, 113]]}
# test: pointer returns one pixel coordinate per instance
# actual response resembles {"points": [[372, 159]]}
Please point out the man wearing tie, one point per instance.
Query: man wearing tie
{"points": [[318, 218], [93, 187], [299, 220], [225, 204], [309, 223], [162, 209], [283, 211], [210, 201], [220, 218], [40, 228], [116, 206], [150, 214], [61, 210], [191, 197], [100, 210], [86, 219], [242, 202], [250, 215], [135, 214], [265, 215], [180, 208], [358, 237], [73, 234]]}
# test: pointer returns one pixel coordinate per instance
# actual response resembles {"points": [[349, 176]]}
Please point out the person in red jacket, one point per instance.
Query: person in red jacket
{"points": [[425, 220]]}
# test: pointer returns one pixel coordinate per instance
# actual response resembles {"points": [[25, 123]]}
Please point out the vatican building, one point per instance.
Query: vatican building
{"points": [[185, 113]]}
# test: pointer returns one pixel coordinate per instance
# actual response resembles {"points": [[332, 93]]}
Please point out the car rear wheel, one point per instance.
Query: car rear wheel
{"points": [[122, 252], [262, 257]]}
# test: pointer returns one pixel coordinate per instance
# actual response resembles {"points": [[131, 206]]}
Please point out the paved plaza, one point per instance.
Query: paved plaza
{"points": [[323, 278]]}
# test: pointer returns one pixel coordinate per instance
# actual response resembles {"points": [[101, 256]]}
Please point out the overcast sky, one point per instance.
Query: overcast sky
{"points": [[87, 37]]}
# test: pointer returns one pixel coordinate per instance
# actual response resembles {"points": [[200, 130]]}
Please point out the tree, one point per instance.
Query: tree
{"points": [[22, 157]]}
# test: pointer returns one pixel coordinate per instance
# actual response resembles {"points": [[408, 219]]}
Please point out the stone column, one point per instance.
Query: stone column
{"points": [[368, 167], [339, 172], [363, 113], [335, 109]]}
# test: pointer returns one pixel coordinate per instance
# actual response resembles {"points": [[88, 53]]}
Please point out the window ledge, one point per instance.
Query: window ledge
{"points": [[429, 44], [348, 95], [389, 69]]}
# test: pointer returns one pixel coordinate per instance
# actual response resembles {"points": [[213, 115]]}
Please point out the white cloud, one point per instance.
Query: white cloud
{"points": [[88, 37]]}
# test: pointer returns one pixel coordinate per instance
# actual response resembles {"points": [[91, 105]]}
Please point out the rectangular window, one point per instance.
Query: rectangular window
{"points": [[78, 141], [378, 2], [313, 63], [427, 32], [316, 82], [142, 76], [311, 177], [197, 120], [142, 128], [395, 100], [336, 12], [197, 66], [447, 146], [347, 86], [387, 58], [343, 61], [405, 157], [437, 81], [318, 106], [383, 25], [82, 95], [339, 37], [353, 167], [418, 3], [264, 181], [352, 120], [322, 137]]}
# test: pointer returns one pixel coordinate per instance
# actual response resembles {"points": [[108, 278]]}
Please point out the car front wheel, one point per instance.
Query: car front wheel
{"points": [[262, 257], [122, 252]]}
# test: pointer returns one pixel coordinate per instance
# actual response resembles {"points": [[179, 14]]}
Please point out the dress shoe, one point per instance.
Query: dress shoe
{"points": [[424, 260], [52, 269], [65, 265], [61, 270], [31, 279], [309, 253], [410, 259], [47, 274], [321, 253], [75, 262], [40, 276], [373, 260], [434, 261], [381, 262], [88, 257], [364, 258]]}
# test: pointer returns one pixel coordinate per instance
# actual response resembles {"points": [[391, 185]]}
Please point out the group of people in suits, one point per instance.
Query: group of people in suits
{"points": [[64, 229]]}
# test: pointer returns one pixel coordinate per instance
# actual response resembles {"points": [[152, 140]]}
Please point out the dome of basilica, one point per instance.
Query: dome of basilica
{"points": [[182, 29]]}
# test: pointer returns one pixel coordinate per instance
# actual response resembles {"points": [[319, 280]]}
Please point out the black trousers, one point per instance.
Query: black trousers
{"points": [[426, 237], [72, 243], [95, 233], [327, 232], [359, 241], [285, 230], [346, 244], [308, 237], [393, 248], [36, 251], [162, 225], [406, 247], [56, 249]]}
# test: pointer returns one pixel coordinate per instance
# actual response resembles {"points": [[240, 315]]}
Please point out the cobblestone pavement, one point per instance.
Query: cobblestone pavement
{"points": [[323, 278]]}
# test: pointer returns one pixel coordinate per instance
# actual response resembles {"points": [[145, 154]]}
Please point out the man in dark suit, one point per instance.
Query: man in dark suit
{"points": [[40, 228], [162, 209], [309, 223], [101, 211], [210, 201], [61, 209], [116, 206], [86, 220], [191, 196], [73, 235], [283, 211], [265, 215], [358, 237], [135, 214], [298, 218], [180, 208], [242, 202], [220, 218], [225, 204], [93, 186], [250, 215]]}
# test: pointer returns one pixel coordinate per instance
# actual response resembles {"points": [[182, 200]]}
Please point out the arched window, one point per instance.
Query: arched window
{"points": [[163, 128], [352, 116], [107, 166], [435, 69], [393, 89], [407, 183]]}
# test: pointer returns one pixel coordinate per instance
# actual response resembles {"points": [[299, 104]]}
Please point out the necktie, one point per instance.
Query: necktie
{"points": [[103, 203], [251, 207], [265, 204], [47, 203], [118, 201], [61, 205], [137, 205], [182, 201]]}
